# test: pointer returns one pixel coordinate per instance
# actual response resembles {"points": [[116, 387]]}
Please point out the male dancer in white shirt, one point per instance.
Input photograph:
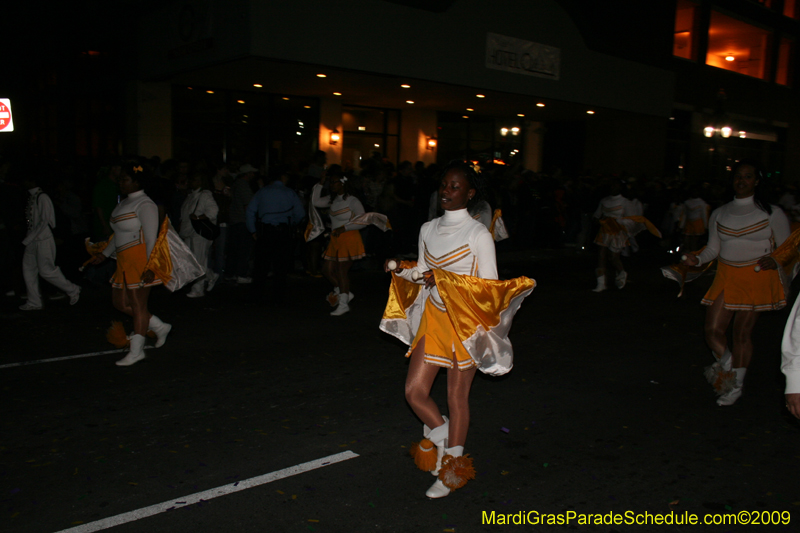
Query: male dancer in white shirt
{"points": [[40, 249]]}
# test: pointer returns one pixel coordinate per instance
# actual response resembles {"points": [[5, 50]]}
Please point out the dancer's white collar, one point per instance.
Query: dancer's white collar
{"points": [[744, 201], [451, 218], [136, 194]]}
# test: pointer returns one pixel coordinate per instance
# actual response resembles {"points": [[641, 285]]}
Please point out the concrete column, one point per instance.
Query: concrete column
{"points": [[416, 126], [152, 120], [533, 148], [330, 118]]}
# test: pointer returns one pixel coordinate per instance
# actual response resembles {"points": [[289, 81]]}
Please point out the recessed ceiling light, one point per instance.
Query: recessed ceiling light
{"points": [[520, 114], [540, 104], [285, 97], [590, 112], [240, 101], [470, 109], [465, 116], [481, 95], [337, 94], [257, 85], [307, 106], [409, 101], [210, 92], [404, 86], [189, 88], [322, 75]]}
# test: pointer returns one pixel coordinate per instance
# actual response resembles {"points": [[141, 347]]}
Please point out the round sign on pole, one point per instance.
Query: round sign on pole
{"points": [[6, 120]]}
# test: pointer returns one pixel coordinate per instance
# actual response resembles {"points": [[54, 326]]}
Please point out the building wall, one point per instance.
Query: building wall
{"points": [[416, 125]]}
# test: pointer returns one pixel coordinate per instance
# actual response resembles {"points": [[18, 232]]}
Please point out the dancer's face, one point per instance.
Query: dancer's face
{"points": [[127, 185], [745, 181], [455, 191]]}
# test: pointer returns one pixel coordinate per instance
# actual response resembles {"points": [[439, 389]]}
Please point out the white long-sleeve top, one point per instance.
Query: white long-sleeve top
{"points": [[614, 207], [41, 217], [694, 209], [790, 351], [739, 232], [135, 218], [343, 210], [199, 202], [457, 243]]}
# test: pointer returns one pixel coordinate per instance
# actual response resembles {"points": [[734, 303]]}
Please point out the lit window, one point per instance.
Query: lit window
{"points": [[749, 46], [785, 52], [684, 41]]}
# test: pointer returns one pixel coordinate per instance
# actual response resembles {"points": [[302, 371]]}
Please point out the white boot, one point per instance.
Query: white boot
{"points": [[729, 398], [333, 297], [342, 306], [136, 353], [161, 329], [452, 475], [721, 364], [601, 282], [621, 278], [438, 436]]}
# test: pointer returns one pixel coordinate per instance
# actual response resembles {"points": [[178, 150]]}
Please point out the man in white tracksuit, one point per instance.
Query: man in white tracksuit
{"points": [[40, 249]]}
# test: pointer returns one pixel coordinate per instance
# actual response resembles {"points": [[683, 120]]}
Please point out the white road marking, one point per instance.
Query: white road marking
{"points": [[26, 363], [210, 494]]}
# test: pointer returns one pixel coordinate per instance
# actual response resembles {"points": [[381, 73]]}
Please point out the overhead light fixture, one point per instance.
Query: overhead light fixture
{"points": [[337, 94], [307, 106], [189, 88], [239, 101], [540, 104], [470, 109], [730, 58], [431, 143], [590, 112], [322, 75], [210, 92], [464, 116], [409, 101], [335, 137], [257, 85], [481, 95], [285, 97], [404, 86], [377, 145], [520, 114], [362, 128]]}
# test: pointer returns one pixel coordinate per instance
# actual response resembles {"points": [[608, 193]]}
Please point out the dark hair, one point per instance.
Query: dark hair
{"points": [[474, 178], [335, 171], [759, 193], [137, 172]]}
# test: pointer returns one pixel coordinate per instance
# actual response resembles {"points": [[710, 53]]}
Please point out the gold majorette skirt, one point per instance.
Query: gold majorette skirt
{"points": [[744, 289], [345, 247], [131, 264], [441, 341]]}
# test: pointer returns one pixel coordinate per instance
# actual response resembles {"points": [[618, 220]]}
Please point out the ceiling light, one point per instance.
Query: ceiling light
{"points": [[189, 88], [409, 101], [540, 104], [520, 114], [730, 58], [322, 75], [337, 94], [307, 106], [481, 95], [210, 92], [470, 109], [285, 97], [362, 128], [257, 85], [464, 116], [404, 86], [240, 101], [590, 112]]}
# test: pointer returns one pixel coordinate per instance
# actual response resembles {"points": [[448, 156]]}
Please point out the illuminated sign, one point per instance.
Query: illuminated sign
{"points": [[522, 57], [6, 122]]}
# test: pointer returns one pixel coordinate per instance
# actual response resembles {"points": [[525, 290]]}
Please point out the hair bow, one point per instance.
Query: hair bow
{"points": [[138, 169]]}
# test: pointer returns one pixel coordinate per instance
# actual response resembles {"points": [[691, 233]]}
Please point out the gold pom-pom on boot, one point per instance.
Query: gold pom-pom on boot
{"points": [[456, 470], [722, 364], [428, 453]]}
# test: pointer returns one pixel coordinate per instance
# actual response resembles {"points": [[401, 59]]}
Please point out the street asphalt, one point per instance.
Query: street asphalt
{"points": [[605, 415]]}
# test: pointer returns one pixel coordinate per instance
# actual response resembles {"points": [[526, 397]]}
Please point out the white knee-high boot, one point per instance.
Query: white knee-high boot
{"points": [[135, 354], [455, 472], [730, 397], [601, 281], [342, 306], [161, 329]]}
